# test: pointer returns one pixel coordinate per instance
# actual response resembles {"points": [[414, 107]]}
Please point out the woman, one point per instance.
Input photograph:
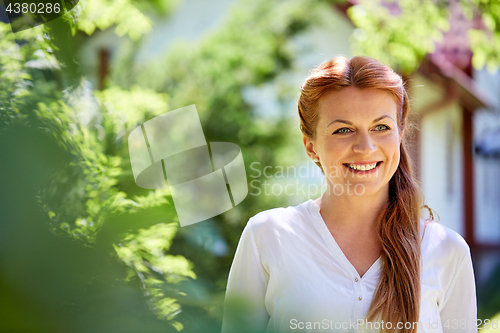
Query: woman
{"points": [[359, 258]]}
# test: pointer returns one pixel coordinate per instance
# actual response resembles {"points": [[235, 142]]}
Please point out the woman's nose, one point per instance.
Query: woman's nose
{"points": [[364, 144]]}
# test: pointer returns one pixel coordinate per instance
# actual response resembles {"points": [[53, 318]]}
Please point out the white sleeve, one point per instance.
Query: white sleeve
{"points": [[459, 311], [244, 308]]}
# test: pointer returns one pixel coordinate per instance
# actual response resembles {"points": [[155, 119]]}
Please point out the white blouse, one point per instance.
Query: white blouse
{"points": [[294, 277]]}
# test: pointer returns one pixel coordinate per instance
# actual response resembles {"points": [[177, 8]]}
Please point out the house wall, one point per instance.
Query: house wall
{"points": [[440, 152], [487, 170], [89, 55], [442, 165], [487, 181], [487, 184]]}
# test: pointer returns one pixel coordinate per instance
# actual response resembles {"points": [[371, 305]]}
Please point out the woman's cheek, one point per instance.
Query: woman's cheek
{"points": [[392, 140]]}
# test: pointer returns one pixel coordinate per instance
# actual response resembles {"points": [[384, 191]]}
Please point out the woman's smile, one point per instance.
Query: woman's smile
{"points": [[365, 168]]}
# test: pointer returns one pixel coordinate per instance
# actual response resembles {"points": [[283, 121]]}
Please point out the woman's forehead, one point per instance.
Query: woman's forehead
{"points": [[355, 103]]}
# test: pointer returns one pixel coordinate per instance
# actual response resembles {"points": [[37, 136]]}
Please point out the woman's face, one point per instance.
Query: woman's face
{"points": [[357, 140]]}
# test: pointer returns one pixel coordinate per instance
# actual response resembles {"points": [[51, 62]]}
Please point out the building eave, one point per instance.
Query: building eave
{"points": [[443, 72]]}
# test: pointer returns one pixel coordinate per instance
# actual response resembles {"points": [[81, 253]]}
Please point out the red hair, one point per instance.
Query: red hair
{"points": [[397, 297]]}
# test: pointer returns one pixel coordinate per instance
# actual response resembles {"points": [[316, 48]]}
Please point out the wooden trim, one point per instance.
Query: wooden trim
{"points": [[468, 176], [468, 172], [486, 247], [104, 57], [342, 7], [452, 96]]}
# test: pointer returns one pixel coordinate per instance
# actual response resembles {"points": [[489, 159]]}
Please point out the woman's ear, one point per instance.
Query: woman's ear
{"points": [[309, 145]]}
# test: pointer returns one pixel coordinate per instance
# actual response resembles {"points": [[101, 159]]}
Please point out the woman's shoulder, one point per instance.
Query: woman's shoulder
{"points": [[440, 240], [281, 217]]}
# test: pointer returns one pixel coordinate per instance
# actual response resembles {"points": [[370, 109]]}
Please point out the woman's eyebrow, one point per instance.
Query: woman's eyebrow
{"points": [[340, 121], [349, 123], [382, 117]]}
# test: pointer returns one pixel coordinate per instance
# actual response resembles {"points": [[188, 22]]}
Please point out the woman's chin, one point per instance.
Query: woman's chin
{"points": [[358, 189]]}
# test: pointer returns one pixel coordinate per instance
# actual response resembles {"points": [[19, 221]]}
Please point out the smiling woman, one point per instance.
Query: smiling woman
{"points": [[359, 259], [357, 133]]}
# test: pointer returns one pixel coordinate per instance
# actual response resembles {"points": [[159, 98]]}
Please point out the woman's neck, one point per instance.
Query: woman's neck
{"points": [[351, 211]]}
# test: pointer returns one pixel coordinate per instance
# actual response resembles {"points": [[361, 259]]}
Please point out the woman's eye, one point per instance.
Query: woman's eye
{"points": [[343, 130], [381, 127]]}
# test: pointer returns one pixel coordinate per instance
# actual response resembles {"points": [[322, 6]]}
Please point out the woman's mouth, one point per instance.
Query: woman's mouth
{"points": [[363, 168]]}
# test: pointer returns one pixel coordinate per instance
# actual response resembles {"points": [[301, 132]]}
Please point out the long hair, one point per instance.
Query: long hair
{"points": [[397, 297]]}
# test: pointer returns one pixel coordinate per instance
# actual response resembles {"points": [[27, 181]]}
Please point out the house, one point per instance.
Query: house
{"points": [[455, 107]]}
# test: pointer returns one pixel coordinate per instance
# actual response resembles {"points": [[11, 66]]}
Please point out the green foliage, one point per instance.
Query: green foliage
{"points": [[103, 14], [404, 37], [489, 297], [50, 283], [14, 69], [94, 190], [250, 48], [85, 193], [145, 253], [127, 16], [128, 108], [485, 44], [84, 196], [401, 40]]}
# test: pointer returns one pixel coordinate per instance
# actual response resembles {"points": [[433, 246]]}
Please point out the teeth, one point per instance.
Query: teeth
{"points": [[363, 167]]}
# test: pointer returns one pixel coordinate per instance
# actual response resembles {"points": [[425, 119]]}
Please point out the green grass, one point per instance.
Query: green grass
{"points": [[488, 300]]}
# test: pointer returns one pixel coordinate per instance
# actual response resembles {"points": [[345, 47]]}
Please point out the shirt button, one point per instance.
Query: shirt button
{"points": [[360, 298], [356, 279]]}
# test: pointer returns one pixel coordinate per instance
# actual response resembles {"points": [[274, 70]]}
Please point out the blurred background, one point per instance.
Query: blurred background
{"points": [[84, 249]]}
